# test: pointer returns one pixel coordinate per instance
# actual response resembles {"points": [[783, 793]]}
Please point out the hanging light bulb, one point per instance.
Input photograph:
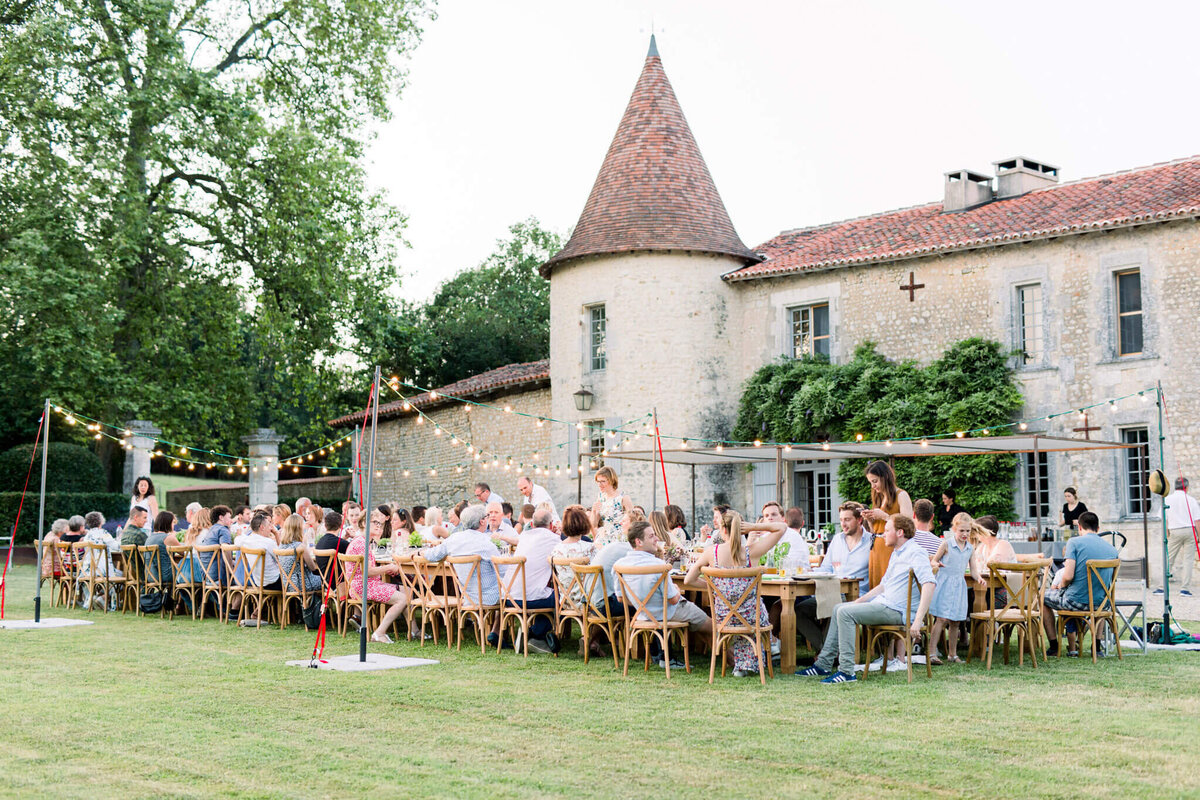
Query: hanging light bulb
{"points": [[324, 470], [322, 451], [858, 437], [191, 467], [888, 443], [1024, 426], [437, 431], [787, 448], [508, 409], [825, 445], [720, 447], [406, 473], [925, 442], [986, 432], [183, 451], [243, 470], [960, 434], [239, 462], [230, 470], [433, 473], [175, 463], [541, 422], [420, 419], [128, 432], [458, 469]]}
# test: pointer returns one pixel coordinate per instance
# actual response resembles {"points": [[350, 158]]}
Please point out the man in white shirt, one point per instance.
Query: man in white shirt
{"points": [[847, 555], [498, 525], [536, 495], [1183, 514], [472, 541], [255, 540], [887, 604], [536, 544], [643, 553], [241, 521], [485, 495]]}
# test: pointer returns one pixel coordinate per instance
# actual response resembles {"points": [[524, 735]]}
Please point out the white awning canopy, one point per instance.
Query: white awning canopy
{"points": [[675, 453]]}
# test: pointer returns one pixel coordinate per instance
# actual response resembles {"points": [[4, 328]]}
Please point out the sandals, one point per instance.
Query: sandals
{"points": [[954, 659], [935, 661], [382, 638]]}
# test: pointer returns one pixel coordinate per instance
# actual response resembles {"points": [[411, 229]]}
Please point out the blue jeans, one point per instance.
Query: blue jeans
{"points": [[540, 625]]}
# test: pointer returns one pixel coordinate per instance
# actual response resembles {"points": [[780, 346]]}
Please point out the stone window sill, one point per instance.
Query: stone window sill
{"points": [[1128, 359]]}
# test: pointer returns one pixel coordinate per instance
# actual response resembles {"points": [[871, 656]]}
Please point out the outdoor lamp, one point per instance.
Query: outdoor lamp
{"points": [[583, 399]]}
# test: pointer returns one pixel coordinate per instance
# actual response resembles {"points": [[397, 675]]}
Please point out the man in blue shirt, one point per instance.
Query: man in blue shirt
{"points": [[1066, 593], [886, 604], [846, 556]]}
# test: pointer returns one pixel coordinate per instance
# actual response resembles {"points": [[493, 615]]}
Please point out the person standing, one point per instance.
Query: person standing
{"points": [[143, 495], [1183, 514], [610, 508], [1072, 509], [886, 500], [535, 495], [949, 510]]}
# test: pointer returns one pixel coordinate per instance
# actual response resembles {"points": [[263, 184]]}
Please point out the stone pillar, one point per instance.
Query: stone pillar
{"points": [[137, 460], [264, 454]]}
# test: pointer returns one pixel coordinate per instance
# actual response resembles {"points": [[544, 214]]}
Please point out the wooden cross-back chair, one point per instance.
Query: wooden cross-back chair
{"points": [[1022, 613], [416, 598], [515, 610], [569, 605], [470, 598], [235, 576], [184, 586], [641, 624], [99, 577], [734, 624], [333, 589], [254, 592], [597, 615], [350, 567], [876, 634], [1098, 613], [434, 604], [292, 586], [68, 574], [132, 595], [155, 577], [211, 585], [50, 555]]}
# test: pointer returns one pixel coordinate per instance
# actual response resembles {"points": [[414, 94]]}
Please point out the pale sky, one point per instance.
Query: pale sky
{"points": [[806, 113]]}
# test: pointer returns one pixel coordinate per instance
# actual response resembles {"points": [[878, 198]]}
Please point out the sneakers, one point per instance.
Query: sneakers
{"points": [[812, 672], [674, 664], [552, 641], [775, 647], [743, 673], [539, 645], [840, 677], [898, 663], [1158, 590], [1186, 592]]}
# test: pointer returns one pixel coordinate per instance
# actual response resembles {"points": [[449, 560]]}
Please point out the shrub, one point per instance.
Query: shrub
{"points": [[69, 468]]}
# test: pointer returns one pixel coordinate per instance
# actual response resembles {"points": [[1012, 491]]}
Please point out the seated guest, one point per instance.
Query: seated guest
{"points": [[74, 531], [736, 553], [799, 549], [923, 519], [455, 516], [218, 533], [536, 543], [241, 520], [331, 539], [314, 522], [677, 522], [95, 534], [279, 513], [377, 591], [990, 547], [158, 568], [847, 556], [51, 565], [472, 540], [307, 572], [135, 531], [189, 570], [526, 518], [887, 604], [498, 525], [1069, 589], [575, 526], [261, 537], [643, 553], [401, 526], [606, 557], [418, 517]]}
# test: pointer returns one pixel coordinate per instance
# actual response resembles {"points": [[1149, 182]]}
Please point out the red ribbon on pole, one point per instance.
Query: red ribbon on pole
{"points": [[661, 463]]}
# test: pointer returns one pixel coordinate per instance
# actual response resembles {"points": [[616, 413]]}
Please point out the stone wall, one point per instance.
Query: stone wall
{"points": [[406, 446], [974, 294]]}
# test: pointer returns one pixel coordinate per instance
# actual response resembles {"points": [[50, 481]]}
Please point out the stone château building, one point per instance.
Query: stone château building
{"points": [[657, 304]]}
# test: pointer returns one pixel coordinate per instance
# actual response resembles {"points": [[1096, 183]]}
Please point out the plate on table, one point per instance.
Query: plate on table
{"points": [[814, 576]]}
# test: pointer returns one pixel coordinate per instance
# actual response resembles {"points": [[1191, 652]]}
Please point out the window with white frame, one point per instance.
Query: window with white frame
{"points": [[597, 338], [594, 439], [1030, 339], [1137, 470], [810, 330], [1129, 312], [1037, 486]]}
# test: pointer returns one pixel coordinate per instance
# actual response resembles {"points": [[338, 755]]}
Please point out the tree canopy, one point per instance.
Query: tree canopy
{"points": [[494, 314], [971, 386], [186, 234]]}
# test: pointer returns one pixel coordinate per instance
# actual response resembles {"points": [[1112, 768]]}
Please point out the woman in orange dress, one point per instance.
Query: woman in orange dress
{"points": [[886, 499]]}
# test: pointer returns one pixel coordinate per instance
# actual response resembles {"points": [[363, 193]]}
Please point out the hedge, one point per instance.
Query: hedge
{"points": [[58, 505], [69, 468]]}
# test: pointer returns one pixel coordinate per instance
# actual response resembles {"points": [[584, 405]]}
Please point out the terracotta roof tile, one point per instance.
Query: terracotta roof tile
{"points": [[654, 191], [510, 376], [1139, 196]]}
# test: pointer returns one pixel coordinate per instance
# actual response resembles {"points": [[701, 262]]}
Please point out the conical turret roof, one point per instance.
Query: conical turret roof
{"points": [[654, 191]]}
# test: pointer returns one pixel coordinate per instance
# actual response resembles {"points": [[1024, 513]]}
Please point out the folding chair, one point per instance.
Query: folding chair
{"points": [[592, 583], [1131, 578], [733, 624], [254, 591], [183, 584], [515, 609], [642, 624], [154, 577], [211, 585], [876, 633], [470, 598], [1097, 613], [1022, 612], [434, 604]]}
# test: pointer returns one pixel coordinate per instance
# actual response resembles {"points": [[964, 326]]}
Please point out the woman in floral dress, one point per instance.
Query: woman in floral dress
{"points": [[737, 555], [609, 510], [378, 591]]}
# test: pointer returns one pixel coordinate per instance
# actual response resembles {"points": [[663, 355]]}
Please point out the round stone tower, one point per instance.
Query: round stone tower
{"points": [[639, 313]]}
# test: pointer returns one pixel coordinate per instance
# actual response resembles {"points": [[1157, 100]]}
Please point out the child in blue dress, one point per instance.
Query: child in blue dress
{"points": [[954, 558]]}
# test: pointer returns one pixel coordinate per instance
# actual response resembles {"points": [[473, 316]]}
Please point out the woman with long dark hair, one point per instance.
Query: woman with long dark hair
{"points": [[886, 499]]}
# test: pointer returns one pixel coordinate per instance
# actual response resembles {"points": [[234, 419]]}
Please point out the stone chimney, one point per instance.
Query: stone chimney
{"points": [[966, 189], [1016, 176]]}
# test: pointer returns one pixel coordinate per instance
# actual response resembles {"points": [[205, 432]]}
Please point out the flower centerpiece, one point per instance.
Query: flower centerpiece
{"points": [[415, 539]]}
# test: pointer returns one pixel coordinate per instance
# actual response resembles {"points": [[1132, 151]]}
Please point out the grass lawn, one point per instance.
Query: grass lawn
{"points": [[141, 706]]}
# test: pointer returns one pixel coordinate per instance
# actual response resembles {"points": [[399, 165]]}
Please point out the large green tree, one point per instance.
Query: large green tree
{"points": [[185, 230], [970, 387], [494, 314]]}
